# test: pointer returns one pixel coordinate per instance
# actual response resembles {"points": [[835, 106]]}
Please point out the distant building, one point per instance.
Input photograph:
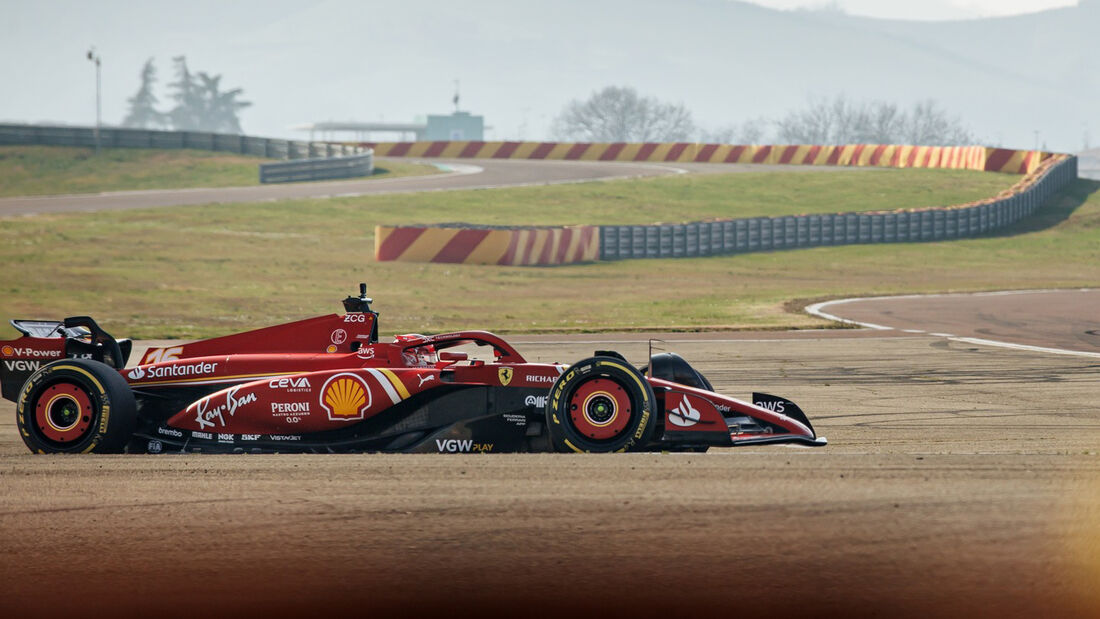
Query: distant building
{"points": [[456, 126]]}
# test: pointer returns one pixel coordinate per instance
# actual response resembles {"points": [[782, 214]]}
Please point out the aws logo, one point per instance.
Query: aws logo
{"points": [[505, 375], [346, 397]]}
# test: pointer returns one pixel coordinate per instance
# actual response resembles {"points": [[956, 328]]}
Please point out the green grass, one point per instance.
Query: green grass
{"points": [[38, 170], [207, 270], [685, 198]]}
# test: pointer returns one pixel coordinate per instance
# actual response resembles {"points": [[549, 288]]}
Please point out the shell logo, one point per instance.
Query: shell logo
{"points": [[7, 351], [346, 397]]}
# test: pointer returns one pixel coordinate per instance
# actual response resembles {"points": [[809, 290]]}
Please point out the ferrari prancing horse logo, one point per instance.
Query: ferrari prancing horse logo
{"points": [[505, 376]]}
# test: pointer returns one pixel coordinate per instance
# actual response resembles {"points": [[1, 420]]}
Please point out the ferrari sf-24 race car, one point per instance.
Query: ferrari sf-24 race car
{"points": [[327, 384]]}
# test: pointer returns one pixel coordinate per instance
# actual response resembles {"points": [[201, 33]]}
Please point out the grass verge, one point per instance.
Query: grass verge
{"points": [[206, 270], [41, 170]]}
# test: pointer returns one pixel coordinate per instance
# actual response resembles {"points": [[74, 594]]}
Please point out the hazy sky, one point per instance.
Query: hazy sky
{"points": [[924, 9], [519, 63]]}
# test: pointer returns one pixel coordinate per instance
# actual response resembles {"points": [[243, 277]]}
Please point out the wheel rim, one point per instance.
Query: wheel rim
{"points": [[63, 413], [600, 409]]}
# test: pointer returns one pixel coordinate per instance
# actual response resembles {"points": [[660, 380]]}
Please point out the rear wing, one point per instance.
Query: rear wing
{"points": [[44, 341]]}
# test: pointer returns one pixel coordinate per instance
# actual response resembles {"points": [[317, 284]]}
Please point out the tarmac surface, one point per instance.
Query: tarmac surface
{"points": [[459, 174], [1063, 321], [961, 480]]}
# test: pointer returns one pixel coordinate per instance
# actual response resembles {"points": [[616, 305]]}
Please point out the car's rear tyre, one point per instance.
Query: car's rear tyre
{"points": [[600, 405], [76, 406]]}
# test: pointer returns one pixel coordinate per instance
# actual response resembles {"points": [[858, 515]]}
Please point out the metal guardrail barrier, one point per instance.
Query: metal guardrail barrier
{"points": [[320, 168], [150, 138], [799, 231]]}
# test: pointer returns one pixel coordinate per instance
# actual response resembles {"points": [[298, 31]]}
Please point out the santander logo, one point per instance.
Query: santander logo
{"points": [[684, 415]]}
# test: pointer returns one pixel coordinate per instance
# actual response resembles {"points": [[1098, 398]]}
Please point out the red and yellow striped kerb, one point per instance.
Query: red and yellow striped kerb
{"points": [[515, 246], [870, 155]]}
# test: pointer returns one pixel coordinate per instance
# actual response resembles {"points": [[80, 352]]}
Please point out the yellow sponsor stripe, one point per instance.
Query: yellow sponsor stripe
{"points": [[173, 381], [396, 382]]}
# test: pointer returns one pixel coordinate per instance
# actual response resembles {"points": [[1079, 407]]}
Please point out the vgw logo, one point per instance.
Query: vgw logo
{"points": [[461, 446], [22, 366]]}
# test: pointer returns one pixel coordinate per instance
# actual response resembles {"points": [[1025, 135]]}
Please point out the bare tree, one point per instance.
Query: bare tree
{"points": [[841, 121], [143, 112], [749, 132], [619, 114], [929, 125]]}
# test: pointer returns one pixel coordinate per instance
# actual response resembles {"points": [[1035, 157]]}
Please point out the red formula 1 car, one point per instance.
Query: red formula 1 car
{"points": [[327, 384]]}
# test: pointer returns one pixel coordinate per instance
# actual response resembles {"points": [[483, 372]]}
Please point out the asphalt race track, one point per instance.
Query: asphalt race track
{"points": [[462, 174], [961, 480], [1060, 321]]}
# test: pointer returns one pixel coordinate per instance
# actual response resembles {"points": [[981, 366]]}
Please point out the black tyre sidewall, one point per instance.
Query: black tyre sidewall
{"points": [[114, 411], [639, 431]]}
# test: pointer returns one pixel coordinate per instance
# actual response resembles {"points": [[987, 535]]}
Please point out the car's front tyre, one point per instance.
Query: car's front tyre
{"points": [[600, 405]]}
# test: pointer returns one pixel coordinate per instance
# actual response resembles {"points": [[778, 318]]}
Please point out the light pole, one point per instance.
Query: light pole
{"points": [[94, 57]]}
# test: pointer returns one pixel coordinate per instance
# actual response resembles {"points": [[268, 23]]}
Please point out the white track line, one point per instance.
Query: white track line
{"points": [[817, 309]]}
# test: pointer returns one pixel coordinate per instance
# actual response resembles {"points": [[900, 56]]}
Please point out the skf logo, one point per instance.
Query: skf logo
{"points": [[346, 397], [505, 375], [684, 415]]}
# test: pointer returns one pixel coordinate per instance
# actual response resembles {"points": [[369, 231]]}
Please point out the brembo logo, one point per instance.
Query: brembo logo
{"points": [[172, 371], [684, 415]]}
